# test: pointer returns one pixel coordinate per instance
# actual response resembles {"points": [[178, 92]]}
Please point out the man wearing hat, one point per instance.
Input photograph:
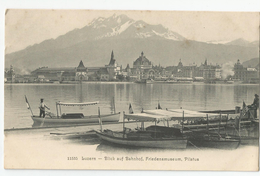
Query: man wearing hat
{"points": [[42, 108]]}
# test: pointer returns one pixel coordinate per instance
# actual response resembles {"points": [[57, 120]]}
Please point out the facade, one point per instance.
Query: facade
{"points": [[245, 74], [142, 69], [80, 73], [142, 63], [112, 68], [210, 71], [10, 75], [45, 74]]}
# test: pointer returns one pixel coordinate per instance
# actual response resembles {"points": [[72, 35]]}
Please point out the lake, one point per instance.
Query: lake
{"points": [[42, 149], [146, 96]]}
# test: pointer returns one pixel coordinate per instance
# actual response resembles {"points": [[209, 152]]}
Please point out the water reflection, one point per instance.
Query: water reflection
{"points": [[188, 96]]}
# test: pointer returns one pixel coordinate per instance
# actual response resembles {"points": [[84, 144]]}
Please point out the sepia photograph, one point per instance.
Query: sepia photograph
{"points": [[131, 90]]}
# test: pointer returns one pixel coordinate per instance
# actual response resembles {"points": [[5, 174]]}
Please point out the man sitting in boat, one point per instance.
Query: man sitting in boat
{"points": [[42, 108]]}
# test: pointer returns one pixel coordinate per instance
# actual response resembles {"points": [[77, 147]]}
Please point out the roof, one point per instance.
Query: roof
{"points": [[127, 67], [45, 69], [81, 65], [170, 114], [103, 71], [78, 104], [112, 60], [66, 73], [141, 60]]}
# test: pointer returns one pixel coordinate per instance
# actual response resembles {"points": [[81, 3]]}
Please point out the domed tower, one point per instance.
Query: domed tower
{"points": [[142, 62]]}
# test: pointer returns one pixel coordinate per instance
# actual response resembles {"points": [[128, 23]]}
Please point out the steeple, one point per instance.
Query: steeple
{"points": [[112, 60], [142, 54], [81, 65], [180, 64], [112, 55], [127, 67], [206, 62]]}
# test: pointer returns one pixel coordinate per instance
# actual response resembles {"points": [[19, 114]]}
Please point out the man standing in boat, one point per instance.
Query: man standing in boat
{"points": [[253, 107], [42, 108], [256, 102]]}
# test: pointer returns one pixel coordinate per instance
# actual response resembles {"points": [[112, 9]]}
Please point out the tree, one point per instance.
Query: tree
{"points": [[120, 77]]}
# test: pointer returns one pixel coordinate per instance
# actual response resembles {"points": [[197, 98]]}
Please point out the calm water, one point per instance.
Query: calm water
{"points": [[188, 96]]}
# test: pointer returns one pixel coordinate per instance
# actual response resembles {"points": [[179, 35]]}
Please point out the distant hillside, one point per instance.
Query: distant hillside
{"points": [[251, 63], [243, 42], [127, 38]]}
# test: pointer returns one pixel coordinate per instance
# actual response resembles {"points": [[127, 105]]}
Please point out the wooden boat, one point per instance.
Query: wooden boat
{"points": [[73, 118], [197, 135], [213, 140], [150, 137]]}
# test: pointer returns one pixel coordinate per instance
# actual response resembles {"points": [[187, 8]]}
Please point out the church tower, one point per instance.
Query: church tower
{"points": [[111, 67], [81, 72]]}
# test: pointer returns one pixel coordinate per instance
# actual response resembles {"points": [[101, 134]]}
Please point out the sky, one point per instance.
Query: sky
{"points": [[27, 27]]}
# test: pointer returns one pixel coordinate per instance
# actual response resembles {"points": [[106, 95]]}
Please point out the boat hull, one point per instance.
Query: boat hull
{"points": [[85, 120], [218, 144], [151, 143]]}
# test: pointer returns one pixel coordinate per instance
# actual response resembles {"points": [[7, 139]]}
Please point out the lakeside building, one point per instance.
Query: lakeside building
{"points": [[10, 75], [245, 74], [142, 69], [80, 73], [204, 71], [211, 71]]}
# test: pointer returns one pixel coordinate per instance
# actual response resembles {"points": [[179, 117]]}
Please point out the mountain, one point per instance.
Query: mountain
{"points": [[253, 63], [127, 38], [243, 42]]}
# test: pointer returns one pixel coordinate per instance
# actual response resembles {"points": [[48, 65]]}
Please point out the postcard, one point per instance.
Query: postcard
{"points": [[131, 90]]}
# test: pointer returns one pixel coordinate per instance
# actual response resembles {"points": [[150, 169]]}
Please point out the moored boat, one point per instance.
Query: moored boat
{"points": [[197, 135], [76, 119], [150, 137], [73, 118], [214, 140], [144, 81]]}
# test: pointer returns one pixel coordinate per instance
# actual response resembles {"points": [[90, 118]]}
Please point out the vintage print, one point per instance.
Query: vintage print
{"points": [[131, 90]]}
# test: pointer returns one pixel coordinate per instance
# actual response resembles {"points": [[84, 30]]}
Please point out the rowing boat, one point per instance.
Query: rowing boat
{"points": [[151, 137]]}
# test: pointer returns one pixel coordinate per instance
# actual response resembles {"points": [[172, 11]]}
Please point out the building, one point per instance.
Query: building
{"points": [[112, 68], [79, 73], [210, 71], [245, 74], [142, 68], [182, 71], [142, 63], [10, 75]]}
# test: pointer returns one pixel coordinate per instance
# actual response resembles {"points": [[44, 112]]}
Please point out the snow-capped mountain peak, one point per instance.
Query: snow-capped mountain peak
{"points": [[123, 26]]}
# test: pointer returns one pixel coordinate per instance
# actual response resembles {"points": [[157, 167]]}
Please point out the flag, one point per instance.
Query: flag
{"points": [[159, 106], [27, 103], [130, 109], [244, 109]]}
